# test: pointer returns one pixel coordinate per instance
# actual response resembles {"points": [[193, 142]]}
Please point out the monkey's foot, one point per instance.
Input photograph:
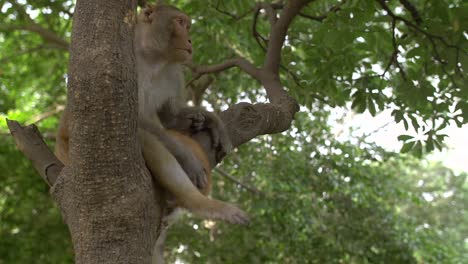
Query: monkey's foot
{"points": [[223, 211]]}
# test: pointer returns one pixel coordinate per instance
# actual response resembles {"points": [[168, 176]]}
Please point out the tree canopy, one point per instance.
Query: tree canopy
{"points": [[313, 198]]}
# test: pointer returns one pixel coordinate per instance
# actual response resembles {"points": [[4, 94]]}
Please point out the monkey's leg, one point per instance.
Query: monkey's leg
{"points": [[184, 156], [167, 171], [158, 250]]}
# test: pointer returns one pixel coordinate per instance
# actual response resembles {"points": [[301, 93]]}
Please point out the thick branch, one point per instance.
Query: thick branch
{"points": [[30, 142], [278, 34], [245, 121]]}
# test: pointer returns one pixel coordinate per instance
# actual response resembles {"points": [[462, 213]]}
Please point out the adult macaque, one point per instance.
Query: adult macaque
{"points": [[162, 43]]}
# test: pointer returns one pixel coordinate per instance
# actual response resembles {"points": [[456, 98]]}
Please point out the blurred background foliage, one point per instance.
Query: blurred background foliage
{"points": [[313, 198]]}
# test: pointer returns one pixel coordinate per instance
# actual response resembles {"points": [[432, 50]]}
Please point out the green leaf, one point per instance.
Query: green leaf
{"points": [[418, 149], [407, 146], [405, 137], [429, 144]]}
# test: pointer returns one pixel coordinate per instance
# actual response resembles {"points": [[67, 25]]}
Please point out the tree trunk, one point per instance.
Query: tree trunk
{"points": [[106, 195]]}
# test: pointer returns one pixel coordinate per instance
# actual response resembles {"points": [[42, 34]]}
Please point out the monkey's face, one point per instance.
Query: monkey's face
{"points": [[180, 44], [164, 33]]}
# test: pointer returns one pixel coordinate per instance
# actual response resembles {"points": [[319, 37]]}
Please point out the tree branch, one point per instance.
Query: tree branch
{"points": [[430, 36], [415, 27], [47, 35], [413, 11], [236, 181], [245, 121], [232, 16], [30, 142], [242, 63], [26, 51], [42, 116], [320, 18], [278, 34], [261, 40], [32, 26]]}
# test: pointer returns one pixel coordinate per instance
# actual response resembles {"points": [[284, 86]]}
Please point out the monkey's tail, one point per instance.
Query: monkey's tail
{"points": [[165, 168]]}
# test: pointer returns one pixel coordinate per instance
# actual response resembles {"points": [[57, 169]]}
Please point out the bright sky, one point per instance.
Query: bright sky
{"points": [[454, 156]]}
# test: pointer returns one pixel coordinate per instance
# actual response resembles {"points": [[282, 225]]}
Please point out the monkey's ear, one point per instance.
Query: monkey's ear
{"points": [[149, 9]]}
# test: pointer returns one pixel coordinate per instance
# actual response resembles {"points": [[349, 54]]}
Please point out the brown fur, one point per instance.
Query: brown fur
{"points": [[197, 149]]}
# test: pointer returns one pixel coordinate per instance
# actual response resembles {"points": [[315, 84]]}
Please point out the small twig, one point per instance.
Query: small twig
{"points": [[262, 41], [23, 52], [395, 52], [411, 25], [232, 16], [431, 37], [315, 18], [243, 185], [413, 11], [296, 80], [377, 129], [320, 18], [38, 118], [199, 88]]}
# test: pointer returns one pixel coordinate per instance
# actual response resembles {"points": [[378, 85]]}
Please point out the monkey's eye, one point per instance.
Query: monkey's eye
{"points": [[180, 21]]}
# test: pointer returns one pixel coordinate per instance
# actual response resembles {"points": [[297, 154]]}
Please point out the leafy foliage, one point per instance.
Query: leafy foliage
{"points": [[321, 200]]}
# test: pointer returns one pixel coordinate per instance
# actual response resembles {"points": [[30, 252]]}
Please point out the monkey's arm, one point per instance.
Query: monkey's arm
{"points": [[195, 119], [187, 160]]}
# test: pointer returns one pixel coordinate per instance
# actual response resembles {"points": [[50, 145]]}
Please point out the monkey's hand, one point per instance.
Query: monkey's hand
{"points": [[219, 135], [186, 159], [198, 119], [193, 167], [195, 119]]}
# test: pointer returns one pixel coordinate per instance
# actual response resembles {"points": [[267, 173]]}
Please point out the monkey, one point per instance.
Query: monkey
{"points": [[161, 44]]}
